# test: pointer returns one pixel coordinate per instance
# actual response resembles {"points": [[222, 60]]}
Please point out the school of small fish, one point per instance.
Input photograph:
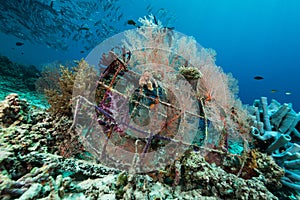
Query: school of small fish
{"points": [[60, 23], [56, 23]]}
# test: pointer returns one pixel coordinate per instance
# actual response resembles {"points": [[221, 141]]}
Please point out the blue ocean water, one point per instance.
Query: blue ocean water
{"points": [[251, 37]]}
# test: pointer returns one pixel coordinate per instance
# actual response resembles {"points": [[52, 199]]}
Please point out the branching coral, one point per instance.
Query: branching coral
{"points": [[60, 99], [49, 78]]}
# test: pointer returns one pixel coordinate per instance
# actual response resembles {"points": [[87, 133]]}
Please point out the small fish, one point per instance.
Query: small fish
{"points": [[288, 93], [83, 29], [51, 4], [274, 91], [155, 20], [169, 28], [82, 51], [131, 22], [258, 77], [19, 43]]}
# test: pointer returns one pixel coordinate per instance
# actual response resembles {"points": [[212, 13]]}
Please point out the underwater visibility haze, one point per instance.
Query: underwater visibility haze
{"points": [[145, 99]]}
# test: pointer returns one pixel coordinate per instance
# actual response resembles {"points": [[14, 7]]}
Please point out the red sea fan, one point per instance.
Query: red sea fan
{"points": [[149, 112], [217, 94]]}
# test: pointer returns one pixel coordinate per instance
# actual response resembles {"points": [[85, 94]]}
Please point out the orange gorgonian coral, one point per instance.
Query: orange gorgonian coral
{"points": [[158, 86]]}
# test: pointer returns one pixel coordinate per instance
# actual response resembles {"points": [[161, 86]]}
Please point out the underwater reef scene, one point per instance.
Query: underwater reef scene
{"points": [[153, 117]]}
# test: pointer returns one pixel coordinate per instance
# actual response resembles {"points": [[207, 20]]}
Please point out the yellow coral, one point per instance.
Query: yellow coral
{"points": [[61, 100]]}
